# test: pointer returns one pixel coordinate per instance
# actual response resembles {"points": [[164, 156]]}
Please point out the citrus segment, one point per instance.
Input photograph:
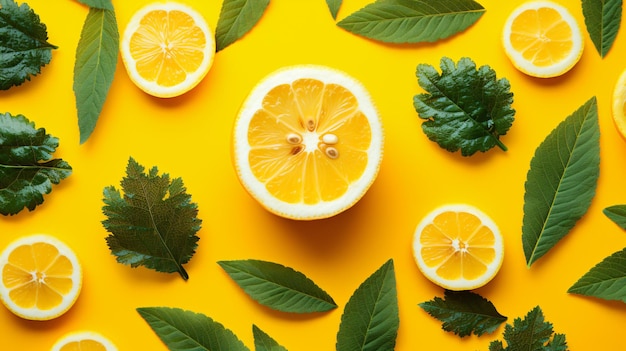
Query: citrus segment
{"points": [[40, 277], [308, 142], [458, 247], [619, 105], [84, 341]]}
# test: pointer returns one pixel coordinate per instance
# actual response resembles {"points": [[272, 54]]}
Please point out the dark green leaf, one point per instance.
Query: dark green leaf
{"points": [[561, 181], [278, 287], [96, 60], [617, 214], [464, 313], [370, 319], [182, 330], [530, 333], [412, 21], [24, 47], [154, 224], [602, 18], [27, 170], [607, 280], [333, 6], [263, 342], [465, 108], [98, 4], [237, 17]]}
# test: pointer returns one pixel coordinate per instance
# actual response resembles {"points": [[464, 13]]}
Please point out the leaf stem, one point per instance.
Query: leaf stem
{"points": [[501, 145], [183, 273]]}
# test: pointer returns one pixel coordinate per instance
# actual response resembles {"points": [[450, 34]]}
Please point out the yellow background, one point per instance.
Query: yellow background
{"points": [[190, 137]]}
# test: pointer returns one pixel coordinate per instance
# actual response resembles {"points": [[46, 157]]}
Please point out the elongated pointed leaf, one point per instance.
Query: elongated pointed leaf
{"points": [[263, 342], [370, 319], [606, 280], [602, 18], [98, 4], [278, 287], [237, 17], [561, 181], [412, 21], [617, 214], [333, 6], [182, 330]]}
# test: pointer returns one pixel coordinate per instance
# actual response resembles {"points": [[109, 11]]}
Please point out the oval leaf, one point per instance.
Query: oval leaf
{"points": [[561, 181], [278, 287], [602, 19], [237, 17], [370, 319], [607, 280], [263, 342], [617, 214]]}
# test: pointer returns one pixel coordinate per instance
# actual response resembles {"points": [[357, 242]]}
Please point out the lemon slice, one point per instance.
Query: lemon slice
{"points": [[542, 39], [308, 142], [167, 48], [40, 277], [83, 341], [619, 105], [458, 247]]}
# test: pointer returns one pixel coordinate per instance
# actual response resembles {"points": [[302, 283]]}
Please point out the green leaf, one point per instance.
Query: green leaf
{"points": [[412, 21], [278, 287], [27, 169], [617, 214], [561, 181], [182, 330], [530, 333], [464, 108], [263, 342], [24, 46], [370, 319], [334, 6], [94, 68], [602, 18], [606, 280], [154, 224], [237, 17], [464, 313], [98, 4]]}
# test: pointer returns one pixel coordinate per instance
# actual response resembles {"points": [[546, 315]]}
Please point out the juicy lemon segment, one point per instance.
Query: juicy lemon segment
{"points": [[458, 247], [308, 142], [619, 105], [84, 341]]}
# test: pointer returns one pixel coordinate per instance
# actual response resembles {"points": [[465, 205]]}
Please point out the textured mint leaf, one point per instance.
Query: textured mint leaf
{"points": [[602, 19], [561, 181], [94, 68], [412, 21], [27, 169], [98, 4], [278, 287], [370, 319], [237, 17], [263, 342], [617, 214], [464, 108], [333, 7], [464, 313], [154, 223], [24, 46], [606, 280], [530, 333], [182, 330]]}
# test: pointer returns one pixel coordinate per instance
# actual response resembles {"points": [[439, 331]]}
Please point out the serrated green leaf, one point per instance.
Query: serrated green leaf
{"points": [[412, 21], [154, 224], [278, 287], [617, 214], [370, 320], [333, 7], [561, 181], [94, 68], [182, 330], [27, 169], [237, 17], [603, 19], [98, 4], [530, 333], [464, 108], [464, 313], [606, 280], [263, 342], [24, 46]]}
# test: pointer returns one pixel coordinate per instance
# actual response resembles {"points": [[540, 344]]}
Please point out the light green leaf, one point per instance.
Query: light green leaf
{"points": [[333, 6], [412, 21], [370, 319], [237, 17], [263, 342], [98, 4], [606, 280], [278, 287], [96, 61], [602, 18], [182, 330], [617, 214], [561, 181]]}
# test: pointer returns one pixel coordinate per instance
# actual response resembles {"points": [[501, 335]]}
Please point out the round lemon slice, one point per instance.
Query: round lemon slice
{"points": [[619, 105], [83, 341]]}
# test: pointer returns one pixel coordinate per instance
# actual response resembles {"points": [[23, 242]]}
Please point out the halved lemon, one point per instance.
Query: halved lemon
{"points": [[458, 247], [83, 341], [542, 39], [619, 105], [167, 48], [40, 277], [308, 142]]}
